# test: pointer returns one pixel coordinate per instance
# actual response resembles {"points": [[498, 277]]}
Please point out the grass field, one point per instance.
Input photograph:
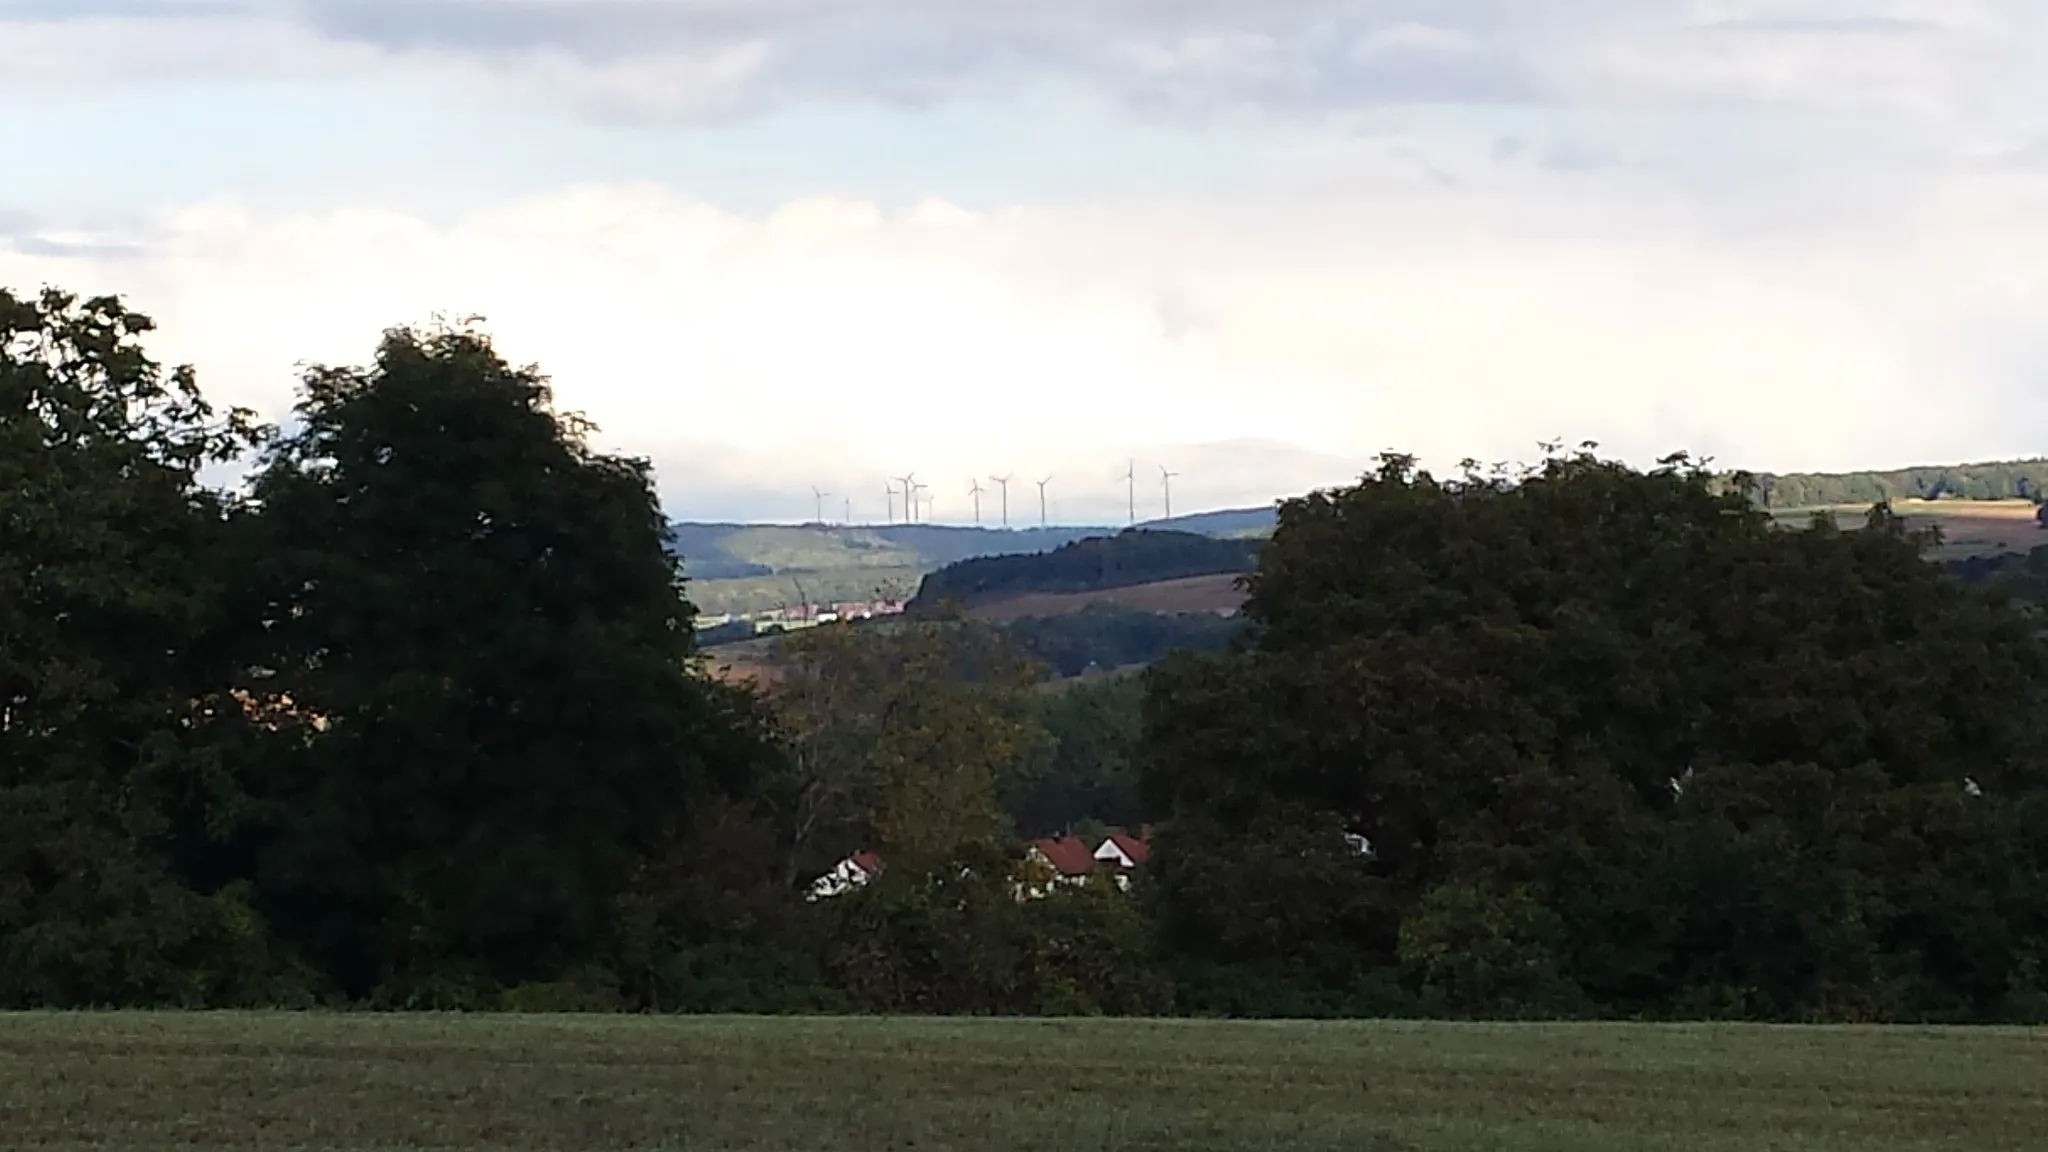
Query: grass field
{"points": [[133, 1081], [1968, 527], [1216, 593]]}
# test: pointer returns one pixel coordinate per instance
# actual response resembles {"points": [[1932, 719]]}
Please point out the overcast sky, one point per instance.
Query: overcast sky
{"points": [[782, 243]]}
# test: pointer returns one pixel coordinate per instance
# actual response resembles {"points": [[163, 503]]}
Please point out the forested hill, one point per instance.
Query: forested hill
{"points": [[1995, 480], [1226, 522], [1134, 556]]}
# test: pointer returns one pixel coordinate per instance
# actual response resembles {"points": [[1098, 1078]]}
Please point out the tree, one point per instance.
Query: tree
{"points": [[898, 735], [104, 675], [493, 716], [1614, 725], [1087, 771]]}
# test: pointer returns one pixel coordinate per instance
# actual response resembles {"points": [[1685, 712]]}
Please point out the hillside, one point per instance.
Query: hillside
{"points": [[1217, 594], [1226, 522], [741, 568], [735, 568], [1132, 557]]}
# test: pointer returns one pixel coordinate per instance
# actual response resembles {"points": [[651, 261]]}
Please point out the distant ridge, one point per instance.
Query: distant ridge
{"points": [[1990, 480], [1224, 522]]}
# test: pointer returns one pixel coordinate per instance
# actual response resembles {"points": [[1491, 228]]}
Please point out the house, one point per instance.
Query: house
{"points": [[853, 872], [1068, 856], [1051, 862], [1124, 852]]}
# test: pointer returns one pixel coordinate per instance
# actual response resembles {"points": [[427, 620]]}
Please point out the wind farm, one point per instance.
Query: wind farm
{"points": [[907, 500]]}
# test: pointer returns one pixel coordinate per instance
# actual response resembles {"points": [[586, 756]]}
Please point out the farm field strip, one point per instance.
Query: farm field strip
{"points": [[355, 1082]]}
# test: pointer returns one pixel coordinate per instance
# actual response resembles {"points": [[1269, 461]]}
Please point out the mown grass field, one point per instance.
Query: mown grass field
{"points": [[1968, 527], [133, 1081]]}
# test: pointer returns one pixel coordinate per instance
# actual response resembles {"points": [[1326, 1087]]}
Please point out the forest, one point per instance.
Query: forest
{"points": [[413, 719], [2004, 480]]}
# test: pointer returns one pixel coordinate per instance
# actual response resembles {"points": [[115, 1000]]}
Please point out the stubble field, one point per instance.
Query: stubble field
{"points": [[236, 1081]]}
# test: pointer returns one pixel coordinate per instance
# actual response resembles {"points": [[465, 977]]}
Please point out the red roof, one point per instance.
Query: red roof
{"points": [[867, 862], [1067, 854], [1131, 846]]}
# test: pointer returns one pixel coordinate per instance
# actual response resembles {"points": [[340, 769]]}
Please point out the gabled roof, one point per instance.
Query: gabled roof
{"points": [[1134, 849], [866, 861], [1068, 855]]}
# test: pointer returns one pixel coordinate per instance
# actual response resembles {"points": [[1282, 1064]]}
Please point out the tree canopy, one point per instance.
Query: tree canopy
{"points": [[1612, 744], [487, 654], [105, 674]]}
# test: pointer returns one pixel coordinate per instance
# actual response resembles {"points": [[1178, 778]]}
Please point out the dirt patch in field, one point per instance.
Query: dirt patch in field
{"points": [[1218, 593]]}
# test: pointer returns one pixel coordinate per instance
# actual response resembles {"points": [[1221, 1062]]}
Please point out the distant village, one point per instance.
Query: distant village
{"points": [[791, 617], [1049, 862]]}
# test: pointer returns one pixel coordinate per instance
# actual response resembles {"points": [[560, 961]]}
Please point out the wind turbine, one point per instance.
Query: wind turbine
{"points": [[847, 519], [909, 497], [914, 501], [1041, 500], [820, 498], [1166, 485], [1131, 488], [890, 489], [975, 490], [1003, 482]]}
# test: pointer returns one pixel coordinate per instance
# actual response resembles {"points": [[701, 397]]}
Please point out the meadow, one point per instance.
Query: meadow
{"points": [[1968, 527], [318, 1081]]}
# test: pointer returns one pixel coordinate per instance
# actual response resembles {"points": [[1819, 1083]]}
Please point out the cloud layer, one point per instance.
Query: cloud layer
{"points": [[1790, 233], [696, 60], [831, 342]]}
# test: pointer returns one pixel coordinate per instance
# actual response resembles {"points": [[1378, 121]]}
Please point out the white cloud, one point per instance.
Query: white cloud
{"points": [[832, 342]]}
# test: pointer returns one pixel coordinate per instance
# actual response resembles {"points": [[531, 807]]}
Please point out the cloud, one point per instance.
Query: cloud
{"points": [[834, 341], [699, 60]]}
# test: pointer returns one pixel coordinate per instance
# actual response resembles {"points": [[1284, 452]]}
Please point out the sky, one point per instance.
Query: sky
{"points": [[779, 246]]}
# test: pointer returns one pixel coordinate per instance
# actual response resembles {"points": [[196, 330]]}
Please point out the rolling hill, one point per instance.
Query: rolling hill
{"points": [[738, 568]]}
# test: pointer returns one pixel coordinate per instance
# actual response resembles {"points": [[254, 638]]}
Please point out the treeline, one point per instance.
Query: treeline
{"points": [[413, 721], [1133, 556], [2005, 480], [1108, 636]]}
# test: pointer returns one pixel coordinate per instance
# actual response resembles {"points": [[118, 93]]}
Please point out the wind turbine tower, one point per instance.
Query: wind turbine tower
{"points": [[916, 491], [1003, 482], [1041, 500], [1131, 488], [890, 489], [820, 498], [975, 490], [1166, 486], [909, 497]]}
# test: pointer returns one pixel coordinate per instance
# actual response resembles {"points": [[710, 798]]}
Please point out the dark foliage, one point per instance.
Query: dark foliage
{"points": [[107, 682], [1088, 772], [485, 651], [418, 722], [1617, 746], [1106, 636]]}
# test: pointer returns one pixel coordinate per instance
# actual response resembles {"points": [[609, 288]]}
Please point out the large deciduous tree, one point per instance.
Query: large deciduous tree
{"points": [[493, 721], [898, 736], [1612, 742], [105, 680]]}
